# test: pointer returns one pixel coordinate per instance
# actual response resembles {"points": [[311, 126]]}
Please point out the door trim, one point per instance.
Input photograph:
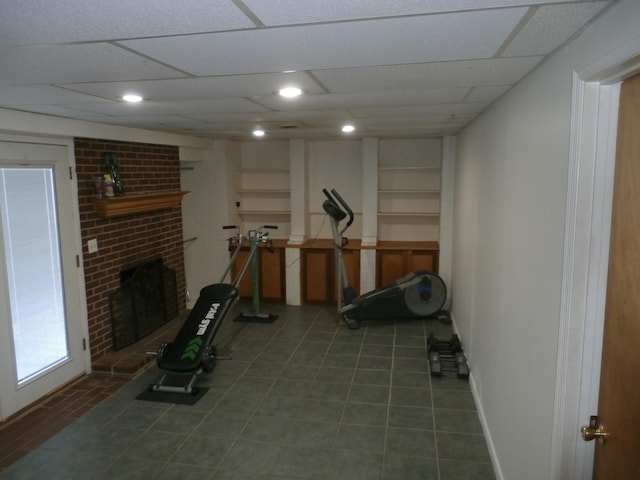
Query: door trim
{"points": [[74, 237], [588, 226]]}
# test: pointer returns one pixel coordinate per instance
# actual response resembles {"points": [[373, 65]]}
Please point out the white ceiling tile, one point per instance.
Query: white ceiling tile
{"points": [[183, 107], [486, 94], [75, 63], [271, 116], [95, 20], [204, 87], [366, 99], [425, 110], [379, 42], [150, 121], [286, 12], [61, 111], [42, 94], [498, 71], [551, 26]]}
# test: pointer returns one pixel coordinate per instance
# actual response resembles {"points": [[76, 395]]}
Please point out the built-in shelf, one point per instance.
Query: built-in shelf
{"points": [[408, 214], [400, 168], [263, 170], [265, 212], [137, 203], [264, 191], [409, 192]]}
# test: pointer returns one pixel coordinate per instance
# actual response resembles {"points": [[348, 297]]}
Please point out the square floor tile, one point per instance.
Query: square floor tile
{"points": [[457, 470], [457, 421], [369, 394], [400, 467], [410, 442], [250, 456], [319, 435], [365, 414], [457, 446], [372, 377], [411, 417], [200, 450], [302, 462], [350, 465], [267, 429], [361, 438], [411, 397]]}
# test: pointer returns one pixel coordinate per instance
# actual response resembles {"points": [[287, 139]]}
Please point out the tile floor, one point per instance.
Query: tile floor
{"points": [[302, 398]]}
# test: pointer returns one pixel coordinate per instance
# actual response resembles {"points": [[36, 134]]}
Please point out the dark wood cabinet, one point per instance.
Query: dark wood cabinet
{"points": [[395, 259], [319, 284], [271, 273]]}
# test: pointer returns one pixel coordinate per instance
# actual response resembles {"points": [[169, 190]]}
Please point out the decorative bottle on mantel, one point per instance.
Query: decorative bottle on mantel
{"points": [[108, 186]]}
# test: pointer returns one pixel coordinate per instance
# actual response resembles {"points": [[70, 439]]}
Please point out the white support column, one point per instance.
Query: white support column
{"points": [[299, 184], [298, 178], [369, 213]]}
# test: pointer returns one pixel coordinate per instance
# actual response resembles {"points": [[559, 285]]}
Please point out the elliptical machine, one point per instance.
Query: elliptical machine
{"points": [[420, 294]]}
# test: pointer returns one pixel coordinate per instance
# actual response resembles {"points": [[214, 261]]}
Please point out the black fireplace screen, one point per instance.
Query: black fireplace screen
{"points": [[145, 301]]}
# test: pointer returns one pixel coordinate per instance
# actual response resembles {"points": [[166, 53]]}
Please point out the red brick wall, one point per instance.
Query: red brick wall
{"points": [[125, 242]]}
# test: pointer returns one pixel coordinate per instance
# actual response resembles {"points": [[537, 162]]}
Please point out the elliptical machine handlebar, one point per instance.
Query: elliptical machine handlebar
{"points": [[337, 213]]}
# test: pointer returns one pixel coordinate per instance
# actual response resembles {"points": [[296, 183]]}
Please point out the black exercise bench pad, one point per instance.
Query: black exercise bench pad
{"points": [[184, 354]]}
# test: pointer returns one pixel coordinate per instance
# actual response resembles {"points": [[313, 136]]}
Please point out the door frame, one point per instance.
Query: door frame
{"points": [[596, 91], [74, 239]]}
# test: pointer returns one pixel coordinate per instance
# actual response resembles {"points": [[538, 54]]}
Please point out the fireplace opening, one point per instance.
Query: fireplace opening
{"points": [[146, 300]]}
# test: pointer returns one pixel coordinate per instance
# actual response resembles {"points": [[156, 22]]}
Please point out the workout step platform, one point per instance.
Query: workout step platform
{"points": [[446, 356]]}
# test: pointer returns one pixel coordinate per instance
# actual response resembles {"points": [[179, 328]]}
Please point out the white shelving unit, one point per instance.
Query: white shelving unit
{"points": [[265, 197], [408, 201]]}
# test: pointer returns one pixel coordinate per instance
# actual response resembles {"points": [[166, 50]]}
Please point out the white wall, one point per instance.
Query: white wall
{"points": [[511, 178]]}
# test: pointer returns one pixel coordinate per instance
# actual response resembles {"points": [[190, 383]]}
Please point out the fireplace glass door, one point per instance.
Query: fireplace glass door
{"points": [[33, 286]]}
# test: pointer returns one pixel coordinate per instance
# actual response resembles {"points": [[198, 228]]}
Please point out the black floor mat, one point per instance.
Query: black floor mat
{"points": [[253, 318], [173, 397]]}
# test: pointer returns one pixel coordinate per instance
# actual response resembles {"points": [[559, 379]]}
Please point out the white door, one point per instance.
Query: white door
{"points": [[42, 302]]}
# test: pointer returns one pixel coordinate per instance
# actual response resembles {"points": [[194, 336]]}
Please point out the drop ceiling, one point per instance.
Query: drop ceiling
{"points": [[212, 68]]}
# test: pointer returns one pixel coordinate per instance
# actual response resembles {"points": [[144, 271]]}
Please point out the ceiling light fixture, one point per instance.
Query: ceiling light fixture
{"points": [[348, 128], [132, 98], [258, 132], [290, 92]]}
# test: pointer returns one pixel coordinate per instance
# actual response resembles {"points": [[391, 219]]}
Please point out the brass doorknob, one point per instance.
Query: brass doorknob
{"points": [[589, 433]]}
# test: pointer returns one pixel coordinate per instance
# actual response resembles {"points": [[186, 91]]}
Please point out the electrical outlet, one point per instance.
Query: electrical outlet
{"points": [[92, 245]]}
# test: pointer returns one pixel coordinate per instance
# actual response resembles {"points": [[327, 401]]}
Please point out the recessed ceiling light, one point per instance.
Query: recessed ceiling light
{"points": [[348, 128], [290, 92], [258, 132], [132, 98]]}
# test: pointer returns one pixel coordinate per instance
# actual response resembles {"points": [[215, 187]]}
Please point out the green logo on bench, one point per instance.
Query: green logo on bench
{"points": [[192, 349]]}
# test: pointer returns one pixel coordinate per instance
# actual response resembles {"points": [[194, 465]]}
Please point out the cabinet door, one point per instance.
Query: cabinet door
{"points": [[270, 271], [391, 266], [271, 274], [421, 260], [395, 264], [245, 286], [317, 276]]}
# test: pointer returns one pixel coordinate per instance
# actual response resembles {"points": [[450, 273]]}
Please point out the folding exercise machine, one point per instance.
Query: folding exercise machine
{"points": [[192, 351]]}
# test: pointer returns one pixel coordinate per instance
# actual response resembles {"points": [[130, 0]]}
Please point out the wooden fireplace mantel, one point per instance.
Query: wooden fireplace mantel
{"points": [[137, 203]]}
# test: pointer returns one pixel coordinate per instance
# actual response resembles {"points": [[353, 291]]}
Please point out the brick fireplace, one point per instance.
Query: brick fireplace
{"points": [[127, 241]]}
